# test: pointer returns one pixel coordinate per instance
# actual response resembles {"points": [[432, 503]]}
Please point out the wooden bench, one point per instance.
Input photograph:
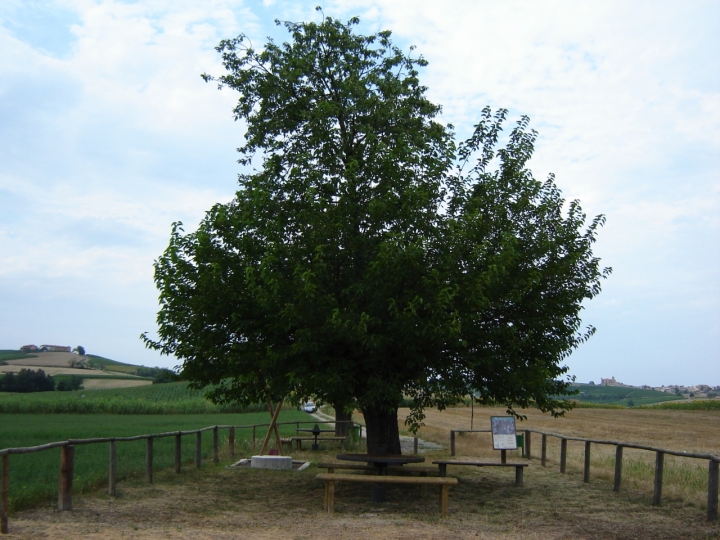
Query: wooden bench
{"points": [[331, 467], [519, 467], [330, 479], [299, 440]]}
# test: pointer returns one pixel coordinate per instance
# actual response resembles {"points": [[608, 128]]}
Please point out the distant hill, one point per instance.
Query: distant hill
{"points": [[627, 396]]}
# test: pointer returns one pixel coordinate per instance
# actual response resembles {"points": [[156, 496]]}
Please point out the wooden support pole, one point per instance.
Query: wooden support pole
{"points": [[503, 456], [216, 445], [178, 453], [657, 484], [452, 443], [543, 456], [198, 449], [254, 437], [527, 444], [149, 460], [231, 442], [5, 494], [444, 500], [618, 468], [266, 441], [112, 470], [586, 469], [519, 476], [273, 422], [712, 500], [331, 497], [563, 455], [67, 459], [415, 446]]}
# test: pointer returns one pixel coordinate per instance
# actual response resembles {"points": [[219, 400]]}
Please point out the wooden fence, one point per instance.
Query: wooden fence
{"points": [[67, 458], [713, 462]]}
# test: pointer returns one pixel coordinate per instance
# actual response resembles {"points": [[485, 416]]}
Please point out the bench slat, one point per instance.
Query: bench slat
{"points": [[432, 480]]}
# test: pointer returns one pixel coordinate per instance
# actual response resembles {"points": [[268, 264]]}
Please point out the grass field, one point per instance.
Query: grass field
{"points": [[619, 395], [34, 477], [168, 398], [217, 502], [688, 430], [6, 354]]}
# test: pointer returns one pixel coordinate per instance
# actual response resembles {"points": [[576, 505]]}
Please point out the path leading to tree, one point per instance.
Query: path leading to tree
{"points": [[406, 443]]}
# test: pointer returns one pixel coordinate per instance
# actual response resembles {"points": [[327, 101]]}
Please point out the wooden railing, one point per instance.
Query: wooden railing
{"points": [[713, 462], [67, 458]]}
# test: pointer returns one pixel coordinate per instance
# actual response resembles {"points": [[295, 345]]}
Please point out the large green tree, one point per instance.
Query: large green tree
{"points": [[368, 258]]}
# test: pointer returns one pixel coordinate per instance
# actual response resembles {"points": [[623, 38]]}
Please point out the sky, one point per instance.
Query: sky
{"points": [[108, 135]]}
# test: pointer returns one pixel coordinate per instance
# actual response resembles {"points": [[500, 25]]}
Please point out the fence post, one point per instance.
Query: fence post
{"points": [[503, 456], [657, 484], [452, 442], [178, 452], [586, 469], [67, 458], [563, 455], [712, 504], [543, 458], [198, 449], [231, 442], [216, 445], [527, 443], [415, 446], [4, 494], [112, 469], [148, 459], [618, 468], [254, 437]]}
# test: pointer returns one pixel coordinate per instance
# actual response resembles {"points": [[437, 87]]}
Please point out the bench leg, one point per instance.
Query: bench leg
{"points": [[331, 497], [519, 476], [325, 497], [444, 501], [442, 469]]}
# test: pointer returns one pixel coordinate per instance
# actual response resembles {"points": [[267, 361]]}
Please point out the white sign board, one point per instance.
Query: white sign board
{"points": [[503, 432]]}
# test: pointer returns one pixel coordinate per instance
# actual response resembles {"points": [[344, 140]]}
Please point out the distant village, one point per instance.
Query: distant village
{"points": [[699, 390], [46, 348]]}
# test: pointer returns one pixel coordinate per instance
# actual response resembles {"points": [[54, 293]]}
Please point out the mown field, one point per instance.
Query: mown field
{"points": [[672, 426], [6, 354], [34, 477]]}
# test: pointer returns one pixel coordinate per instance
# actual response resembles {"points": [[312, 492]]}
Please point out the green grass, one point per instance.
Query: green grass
{"points": [[34, 477], [169, 398], [6, 354]]}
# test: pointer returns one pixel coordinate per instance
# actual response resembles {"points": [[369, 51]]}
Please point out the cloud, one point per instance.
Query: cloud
{"points": [[109, 135]]}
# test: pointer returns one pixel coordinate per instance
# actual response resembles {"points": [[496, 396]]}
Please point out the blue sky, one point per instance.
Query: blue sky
{"points": [[108, 135]]}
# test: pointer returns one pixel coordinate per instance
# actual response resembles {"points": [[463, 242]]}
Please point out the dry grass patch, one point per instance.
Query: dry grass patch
{"points": [[101, 384], [216, 502], [685, 479]]}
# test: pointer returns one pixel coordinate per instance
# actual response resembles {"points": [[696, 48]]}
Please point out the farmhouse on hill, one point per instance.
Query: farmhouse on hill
{"points": [[29, 348], [55, 348]]}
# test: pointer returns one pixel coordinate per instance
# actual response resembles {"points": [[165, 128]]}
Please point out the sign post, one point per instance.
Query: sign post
{"points": [[503, 434]]}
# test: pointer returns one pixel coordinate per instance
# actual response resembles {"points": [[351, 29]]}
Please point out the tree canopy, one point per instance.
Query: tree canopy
{"points": [[368, 257]]}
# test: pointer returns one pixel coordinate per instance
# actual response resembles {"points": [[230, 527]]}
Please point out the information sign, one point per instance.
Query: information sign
{"points": [[503, 432]]}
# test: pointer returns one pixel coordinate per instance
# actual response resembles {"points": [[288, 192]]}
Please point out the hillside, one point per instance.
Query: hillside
{"points": [[620, 395], [97, 371]]}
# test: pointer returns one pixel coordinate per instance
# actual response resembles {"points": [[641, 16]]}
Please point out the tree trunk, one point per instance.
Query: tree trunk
{"points": [[342, 429], [383, 436]]}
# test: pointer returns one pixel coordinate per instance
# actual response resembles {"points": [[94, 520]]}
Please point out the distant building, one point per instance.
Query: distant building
{"points": [[54, 348], [29, 348], [611, 382]]}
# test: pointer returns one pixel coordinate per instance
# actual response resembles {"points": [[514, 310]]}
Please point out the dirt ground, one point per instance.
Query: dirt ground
{"points": [[216, 502]]}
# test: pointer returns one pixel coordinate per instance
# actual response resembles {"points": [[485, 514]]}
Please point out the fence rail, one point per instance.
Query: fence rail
{"points": [[67, 458], [713, 461]]}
